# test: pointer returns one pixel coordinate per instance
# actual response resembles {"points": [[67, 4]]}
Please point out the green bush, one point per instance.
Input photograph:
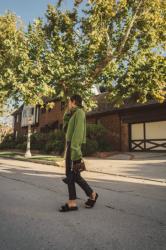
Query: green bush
{"points": [[55, 141], [39, 141], [96, 131], [104, 144], [57, 147], [49, 142], [21, 146], [8, 142], [59, 135], [20, 139], [96, 139], [90, 147], [7, 145]]}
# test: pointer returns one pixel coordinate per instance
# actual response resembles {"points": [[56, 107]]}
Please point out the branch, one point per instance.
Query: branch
{"points": [[124, 40], [77, 2], [59, 3], [101, 65]]}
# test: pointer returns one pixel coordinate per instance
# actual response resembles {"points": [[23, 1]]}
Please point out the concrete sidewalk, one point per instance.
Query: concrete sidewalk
{"points": [[139, 165], [146, 166]]}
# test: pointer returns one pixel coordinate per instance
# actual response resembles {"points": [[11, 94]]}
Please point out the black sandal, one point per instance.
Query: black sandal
{"points": [[90, 203], [66, 208]]}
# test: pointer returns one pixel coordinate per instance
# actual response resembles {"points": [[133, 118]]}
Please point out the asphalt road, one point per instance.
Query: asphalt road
{"points": [[130, 214]]}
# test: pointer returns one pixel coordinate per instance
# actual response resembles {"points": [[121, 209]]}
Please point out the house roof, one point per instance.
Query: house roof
{"points": [[45, 99], [105, 106]]}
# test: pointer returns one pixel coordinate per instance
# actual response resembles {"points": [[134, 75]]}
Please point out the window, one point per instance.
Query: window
{"points": [[32, 111]]}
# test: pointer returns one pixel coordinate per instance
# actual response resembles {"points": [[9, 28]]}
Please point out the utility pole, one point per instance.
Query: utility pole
{"points": [[28, 149]]}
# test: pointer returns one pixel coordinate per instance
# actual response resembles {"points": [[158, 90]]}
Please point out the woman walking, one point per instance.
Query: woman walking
{"points": [[74, 125]]}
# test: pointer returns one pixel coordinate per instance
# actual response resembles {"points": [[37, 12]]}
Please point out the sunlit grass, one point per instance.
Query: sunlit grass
{"points": [[20, 155]]}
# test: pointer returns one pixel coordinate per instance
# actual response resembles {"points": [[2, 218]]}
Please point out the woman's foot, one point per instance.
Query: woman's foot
{"points": [[92, 200], [66, 208], [93, 196], [72, 203]]}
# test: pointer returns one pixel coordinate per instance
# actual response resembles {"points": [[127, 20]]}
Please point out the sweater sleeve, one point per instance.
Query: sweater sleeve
{"points": [[77, 136]]}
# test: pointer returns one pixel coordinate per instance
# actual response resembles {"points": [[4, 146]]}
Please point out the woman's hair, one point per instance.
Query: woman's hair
{"points": [[77, 99]]}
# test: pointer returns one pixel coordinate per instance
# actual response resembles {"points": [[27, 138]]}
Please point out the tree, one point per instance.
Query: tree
{"points": [[118, 44], [10, 40], [65, 57], [21, 65], [126, 45]]}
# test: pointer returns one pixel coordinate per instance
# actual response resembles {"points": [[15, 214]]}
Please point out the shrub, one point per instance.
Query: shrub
{"points": [[49, 142], [104, 144], [8, 142], [57, 135], [96, 131], [20, 139], [21, 146], [55, 141], [96, 139], [90, 147], [57, 147], [38, 141]]}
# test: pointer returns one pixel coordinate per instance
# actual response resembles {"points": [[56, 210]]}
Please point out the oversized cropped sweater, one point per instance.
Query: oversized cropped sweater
{"points": [[74, 125]]}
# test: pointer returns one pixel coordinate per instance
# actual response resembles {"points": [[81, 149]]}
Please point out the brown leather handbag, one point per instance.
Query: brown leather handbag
{"points": [[79, 167]]}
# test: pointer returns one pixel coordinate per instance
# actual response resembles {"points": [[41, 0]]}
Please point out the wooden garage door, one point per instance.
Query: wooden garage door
{"points": [[148, 136]]}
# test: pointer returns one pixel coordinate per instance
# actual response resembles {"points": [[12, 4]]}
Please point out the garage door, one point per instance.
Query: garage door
{"points": [[148, 136]]}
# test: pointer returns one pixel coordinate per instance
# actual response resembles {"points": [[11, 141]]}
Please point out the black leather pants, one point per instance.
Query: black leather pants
{"points": [[74, 178]]}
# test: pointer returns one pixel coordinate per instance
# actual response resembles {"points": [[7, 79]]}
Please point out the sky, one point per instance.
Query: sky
{"points": [[29, 10]]}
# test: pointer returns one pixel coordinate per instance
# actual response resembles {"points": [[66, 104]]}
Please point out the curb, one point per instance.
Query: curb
{"points": [[34, 161], [91, 171]]}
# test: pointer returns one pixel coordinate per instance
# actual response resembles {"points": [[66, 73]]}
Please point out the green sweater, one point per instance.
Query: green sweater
{"points": [[75, 128]]}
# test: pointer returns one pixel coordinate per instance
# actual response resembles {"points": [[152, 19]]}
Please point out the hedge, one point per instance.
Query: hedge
{"points": [[54, 142]]}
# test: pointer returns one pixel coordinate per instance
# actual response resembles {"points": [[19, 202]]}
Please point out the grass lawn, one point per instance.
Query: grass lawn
{"points": [[20, 156]]}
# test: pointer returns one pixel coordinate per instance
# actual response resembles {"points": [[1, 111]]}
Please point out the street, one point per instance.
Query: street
{"points": [[130, 213]]}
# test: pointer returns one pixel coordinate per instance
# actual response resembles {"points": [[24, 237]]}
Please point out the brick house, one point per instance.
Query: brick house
{"points": [[42, 120], [136, 127]]}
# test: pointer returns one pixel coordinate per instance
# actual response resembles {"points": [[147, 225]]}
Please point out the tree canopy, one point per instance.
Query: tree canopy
{"points": [[120, 45]]}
